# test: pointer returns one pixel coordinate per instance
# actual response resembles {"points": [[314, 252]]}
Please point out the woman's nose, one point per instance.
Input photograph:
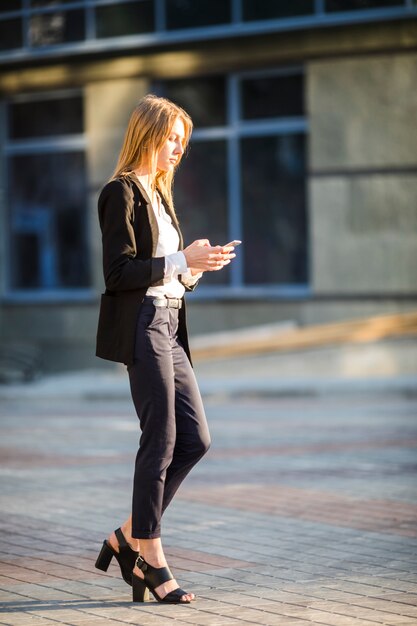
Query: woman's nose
{"points": [[179, 148]]}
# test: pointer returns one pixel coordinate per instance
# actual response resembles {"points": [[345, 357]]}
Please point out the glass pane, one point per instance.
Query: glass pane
{"points": [[272, 9], [274, 209], [201, 198], [273, 96], [191, 14], [43, 118], [116, 20], [48, 3], [10, 5], [355, 5], [10, 34], [203, 98], [48, 221], [48, 29], [27, 274]]}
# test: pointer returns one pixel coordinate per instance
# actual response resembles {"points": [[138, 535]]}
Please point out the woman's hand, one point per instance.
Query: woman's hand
{"points": [[202, 257]]}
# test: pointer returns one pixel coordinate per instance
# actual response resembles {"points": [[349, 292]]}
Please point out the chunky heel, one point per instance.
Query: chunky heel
{"points": [[125, 557], [104, 558], [140, 592]]}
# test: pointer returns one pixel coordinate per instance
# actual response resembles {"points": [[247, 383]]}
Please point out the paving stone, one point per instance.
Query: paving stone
{"points": [[303, 512]]}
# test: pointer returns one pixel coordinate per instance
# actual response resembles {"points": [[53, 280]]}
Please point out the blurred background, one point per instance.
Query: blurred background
{"points": [[305, 148]]}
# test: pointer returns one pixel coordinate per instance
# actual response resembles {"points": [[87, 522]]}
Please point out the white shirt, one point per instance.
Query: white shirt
{"points": [[175, 261]]}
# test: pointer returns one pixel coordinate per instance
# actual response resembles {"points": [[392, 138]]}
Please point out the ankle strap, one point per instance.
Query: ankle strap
{"points": [[154, 575], [121, 539]]}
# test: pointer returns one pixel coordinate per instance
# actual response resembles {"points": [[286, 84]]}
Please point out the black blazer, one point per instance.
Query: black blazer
{"points": [[129, 236]]}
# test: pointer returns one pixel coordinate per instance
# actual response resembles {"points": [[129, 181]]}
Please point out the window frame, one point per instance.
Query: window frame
{"points": [[34, 146]]}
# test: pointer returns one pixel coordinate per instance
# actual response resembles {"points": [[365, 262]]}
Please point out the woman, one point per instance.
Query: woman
{"points": [[142, 324]]}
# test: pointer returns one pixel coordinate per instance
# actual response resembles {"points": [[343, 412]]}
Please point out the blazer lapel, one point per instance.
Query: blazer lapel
{"points": [[151, 215], [149, 209]]}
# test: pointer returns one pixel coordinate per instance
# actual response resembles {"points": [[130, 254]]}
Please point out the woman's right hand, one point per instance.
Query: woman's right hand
{"points": [[201, 256]]}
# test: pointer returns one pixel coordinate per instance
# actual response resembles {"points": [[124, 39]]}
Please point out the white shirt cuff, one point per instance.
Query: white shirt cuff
{"points": [[175, 264]]}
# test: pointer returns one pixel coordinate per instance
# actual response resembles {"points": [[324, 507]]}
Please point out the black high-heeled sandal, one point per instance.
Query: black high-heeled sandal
{"points": [[153, 577], [126, 557]]}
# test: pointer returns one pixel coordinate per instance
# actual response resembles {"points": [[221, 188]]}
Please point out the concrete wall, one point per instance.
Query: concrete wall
{"points": [[363, 188], [64, 333], [206, 317]]}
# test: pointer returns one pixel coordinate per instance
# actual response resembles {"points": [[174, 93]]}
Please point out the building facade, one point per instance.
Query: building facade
{"points": [[305, 148]]}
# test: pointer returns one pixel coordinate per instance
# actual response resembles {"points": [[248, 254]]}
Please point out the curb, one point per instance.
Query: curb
{"points": [[107, 388]]}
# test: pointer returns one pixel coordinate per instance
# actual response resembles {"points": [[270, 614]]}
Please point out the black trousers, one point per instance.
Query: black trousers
{"points": [[174, 427]]}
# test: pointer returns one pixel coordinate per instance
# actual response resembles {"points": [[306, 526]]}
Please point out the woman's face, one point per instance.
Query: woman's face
{"points": [[173, 148]]}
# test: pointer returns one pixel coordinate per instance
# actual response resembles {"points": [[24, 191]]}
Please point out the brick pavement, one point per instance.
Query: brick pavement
{"points": [[303, 512]]}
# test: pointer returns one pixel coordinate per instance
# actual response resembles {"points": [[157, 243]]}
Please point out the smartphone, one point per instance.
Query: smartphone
{"points": [[233, 243]]}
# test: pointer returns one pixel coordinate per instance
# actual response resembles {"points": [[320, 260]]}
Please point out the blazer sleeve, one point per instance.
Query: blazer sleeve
{"points": [[121, 267]]}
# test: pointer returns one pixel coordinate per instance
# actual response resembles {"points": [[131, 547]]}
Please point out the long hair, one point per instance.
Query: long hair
{"points": [[148, 128]]}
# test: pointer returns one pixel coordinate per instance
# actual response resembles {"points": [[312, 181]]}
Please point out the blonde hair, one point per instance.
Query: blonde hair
{"points": [[149, 127]]}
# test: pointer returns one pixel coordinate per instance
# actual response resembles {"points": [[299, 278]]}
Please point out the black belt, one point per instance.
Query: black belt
{"points": [[168, 303]]}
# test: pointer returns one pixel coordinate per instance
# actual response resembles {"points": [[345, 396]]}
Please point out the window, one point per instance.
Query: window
{"points": [[273, 209], [201, 198], [10, 34], [201, 182], [271, 9], [272, 96], [245, 176], [48, 220], [42, 118], [355, 5], [48, 250], [191, 14], [48, 29], [125, 18], [204, 99], [48, 3], [10, 5]]}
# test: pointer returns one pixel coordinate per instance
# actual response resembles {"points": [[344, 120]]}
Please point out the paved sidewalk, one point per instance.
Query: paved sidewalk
{"points": [[303, 512]]}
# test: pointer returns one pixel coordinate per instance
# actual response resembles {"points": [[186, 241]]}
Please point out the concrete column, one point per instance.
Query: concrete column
{"points": [[363, 188], [3, 216], [108, 106]]}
